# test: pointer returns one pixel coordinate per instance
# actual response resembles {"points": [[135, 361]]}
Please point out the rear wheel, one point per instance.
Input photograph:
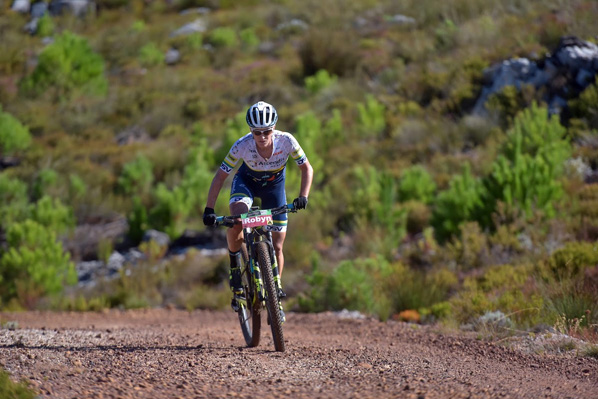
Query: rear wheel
{"points": [[249, 315], [272, 304]]}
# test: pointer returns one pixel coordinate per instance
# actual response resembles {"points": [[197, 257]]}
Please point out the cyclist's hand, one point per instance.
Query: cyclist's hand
{"points": [[300, 203], [209, 217]]}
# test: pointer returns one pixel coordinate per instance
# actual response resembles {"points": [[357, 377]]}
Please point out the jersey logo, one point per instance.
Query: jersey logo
{"points": [[226, 168]]}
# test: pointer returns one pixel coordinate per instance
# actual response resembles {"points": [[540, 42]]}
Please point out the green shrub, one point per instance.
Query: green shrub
{"points": [[371, 117], [14, 204], [195, 41], [223, 37], [446, 34], [504, 288], [44, 181], [45, 26], [138, 220], [525, 175], [34, 265], [417, 184], [14, 136], [249, 38], [169, 214], [586, 106], [509, 101], [150, 55], [571, 260], [470, 248], [363, 285], [309, 132], [459, 203], [137, 176], [67, 65], [13, 390], [375, 201], [319, 81], [52, 214]]}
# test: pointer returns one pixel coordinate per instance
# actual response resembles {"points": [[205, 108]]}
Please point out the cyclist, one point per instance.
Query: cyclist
{"points": [[264, 152]]}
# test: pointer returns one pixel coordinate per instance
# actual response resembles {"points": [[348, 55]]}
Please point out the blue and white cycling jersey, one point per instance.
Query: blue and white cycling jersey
{"points": [[258, 167], [262, 177]]}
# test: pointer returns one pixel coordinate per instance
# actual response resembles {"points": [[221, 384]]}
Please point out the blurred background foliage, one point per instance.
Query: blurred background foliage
{"points": [[418, 205]]}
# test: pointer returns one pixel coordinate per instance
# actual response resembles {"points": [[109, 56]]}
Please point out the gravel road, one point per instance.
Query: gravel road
{"points": [[162, 353]]}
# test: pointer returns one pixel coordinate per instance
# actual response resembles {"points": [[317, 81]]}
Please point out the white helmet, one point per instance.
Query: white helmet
{"points": [[261, 115]]}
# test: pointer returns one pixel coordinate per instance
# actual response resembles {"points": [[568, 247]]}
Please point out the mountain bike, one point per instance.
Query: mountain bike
{"points": [[259, 274]]}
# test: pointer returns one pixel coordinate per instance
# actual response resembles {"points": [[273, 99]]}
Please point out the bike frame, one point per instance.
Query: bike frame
{"points": [[262, 289]]}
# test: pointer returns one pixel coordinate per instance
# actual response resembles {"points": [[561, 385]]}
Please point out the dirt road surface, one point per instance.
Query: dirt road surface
{"points": [[163, 353]]}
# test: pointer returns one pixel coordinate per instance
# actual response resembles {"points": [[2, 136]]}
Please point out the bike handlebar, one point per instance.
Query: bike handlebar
{"points": [[230, 221]]}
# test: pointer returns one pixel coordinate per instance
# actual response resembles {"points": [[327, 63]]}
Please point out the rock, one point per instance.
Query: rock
{"points": [[563, 75], [172, 56], [401, 20], [115, 262], [133, 134], [159, 237], [39, 9], [197, 26], [293, 25], [76, 7], [21, 6], [196, 10]]}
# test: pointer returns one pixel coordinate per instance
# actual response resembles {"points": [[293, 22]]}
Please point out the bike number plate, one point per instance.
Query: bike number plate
{"points": [[257, 218]]}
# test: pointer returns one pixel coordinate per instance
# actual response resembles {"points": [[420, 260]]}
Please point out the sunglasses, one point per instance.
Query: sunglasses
{"points": [[262, 132]]}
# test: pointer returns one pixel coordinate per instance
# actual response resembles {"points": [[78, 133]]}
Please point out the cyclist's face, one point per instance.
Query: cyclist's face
{"points": [[262, 136]]}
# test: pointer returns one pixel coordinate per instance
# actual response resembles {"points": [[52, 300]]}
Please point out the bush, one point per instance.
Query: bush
{"points": [[570, 261], [170, 211], [525, 175], [416, 184], [45, 26], [14, 136], [150, 55], [12, 390], [223, 37], [249, 38], [371, 117], [34, 265], [459, 203], [586, 106], [319, 81], [137, 177], [14, 204], [52, 214], [67, 65]]}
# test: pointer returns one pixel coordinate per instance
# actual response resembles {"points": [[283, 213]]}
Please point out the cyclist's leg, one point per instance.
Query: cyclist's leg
{"points": [[241, 198], [278, 238], [240, 202]]}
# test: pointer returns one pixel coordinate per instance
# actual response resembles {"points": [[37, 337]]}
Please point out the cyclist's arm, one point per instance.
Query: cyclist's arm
{"points": [[215, 187], [307, 175]]}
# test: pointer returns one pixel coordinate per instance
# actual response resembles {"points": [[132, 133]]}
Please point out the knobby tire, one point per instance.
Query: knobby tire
{"points": [[250, 316], [265, 263]]}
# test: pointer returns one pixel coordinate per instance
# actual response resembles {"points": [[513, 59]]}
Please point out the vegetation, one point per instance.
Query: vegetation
{"points": [[417, 204], [12, 390]]}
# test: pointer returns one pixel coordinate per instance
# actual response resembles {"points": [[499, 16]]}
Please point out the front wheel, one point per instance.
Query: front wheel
{"points": [[272, 305], [249, 315]]}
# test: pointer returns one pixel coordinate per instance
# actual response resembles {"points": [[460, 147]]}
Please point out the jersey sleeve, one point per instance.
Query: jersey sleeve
{"points": [[297, 152], [232, 158]]}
